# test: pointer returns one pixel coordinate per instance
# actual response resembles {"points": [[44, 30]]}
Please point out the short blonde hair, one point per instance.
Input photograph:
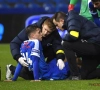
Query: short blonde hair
{"points": [[50, 24]]}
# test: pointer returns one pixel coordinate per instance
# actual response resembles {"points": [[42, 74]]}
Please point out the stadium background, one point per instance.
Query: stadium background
{"points": [[14, 13]]}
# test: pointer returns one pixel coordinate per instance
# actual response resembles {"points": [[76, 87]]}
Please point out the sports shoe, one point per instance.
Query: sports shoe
{"points": [[74, 78], [8, 72], [51, 79]]}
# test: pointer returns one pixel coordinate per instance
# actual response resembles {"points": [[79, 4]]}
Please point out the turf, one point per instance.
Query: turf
{"points": [[21, 84]]}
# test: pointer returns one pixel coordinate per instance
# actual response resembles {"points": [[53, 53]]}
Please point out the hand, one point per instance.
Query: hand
{"points": [[21, 60], [60, 64]]}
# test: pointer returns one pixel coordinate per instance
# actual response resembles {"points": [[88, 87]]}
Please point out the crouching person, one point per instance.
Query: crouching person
{"points": [[32, 52]]}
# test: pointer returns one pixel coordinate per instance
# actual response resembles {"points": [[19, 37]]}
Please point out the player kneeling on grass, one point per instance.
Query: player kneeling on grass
{"points": [[32, 52]]}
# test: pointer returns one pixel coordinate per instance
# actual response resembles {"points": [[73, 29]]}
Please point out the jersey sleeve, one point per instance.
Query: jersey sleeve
{"points": [[35, 56], [36, 49], [17, 72], [35, 63], [74, 26], [58, 49], [72, 4]]}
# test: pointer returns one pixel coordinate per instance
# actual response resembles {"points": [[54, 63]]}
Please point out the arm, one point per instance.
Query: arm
{"points": [[17, 72], [72, 4], [94, 13], [35, 63], [58, 49], [74, 26], [35, 57], [16, 43]]}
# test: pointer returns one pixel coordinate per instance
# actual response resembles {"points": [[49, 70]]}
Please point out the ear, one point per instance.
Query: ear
{"points": [[42, 25], [32, 35]]}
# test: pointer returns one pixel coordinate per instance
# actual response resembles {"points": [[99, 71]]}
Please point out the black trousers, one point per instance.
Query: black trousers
{"points": [[25, 73], [90, 54]]}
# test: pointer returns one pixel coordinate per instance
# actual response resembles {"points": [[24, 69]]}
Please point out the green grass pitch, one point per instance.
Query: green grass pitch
{"points": [[21, 84]]}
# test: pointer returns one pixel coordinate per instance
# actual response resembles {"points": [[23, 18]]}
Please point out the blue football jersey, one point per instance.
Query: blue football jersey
{"points": [[31, 50]]}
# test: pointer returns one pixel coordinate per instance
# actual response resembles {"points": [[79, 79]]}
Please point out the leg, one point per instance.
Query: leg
{"points": [[94, 74], [53, 72], [25, 73], [81, 49], [89, 66]]}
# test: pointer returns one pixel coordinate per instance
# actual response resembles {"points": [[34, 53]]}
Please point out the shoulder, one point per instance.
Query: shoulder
{"points": [[31, 42], [34, 42], [72, 13], [89, 1], [90, 5]]}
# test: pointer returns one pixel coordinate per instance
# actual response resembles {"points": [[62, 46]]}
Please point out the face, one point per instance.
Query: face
{"points": [[96, 4], [45, 30], [37, 34], [59, 24]]}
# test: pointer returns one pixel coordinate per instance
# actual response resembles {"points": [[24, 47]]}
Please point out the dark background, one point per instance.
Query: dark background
{"points": [[13, 13], [13, 24]]}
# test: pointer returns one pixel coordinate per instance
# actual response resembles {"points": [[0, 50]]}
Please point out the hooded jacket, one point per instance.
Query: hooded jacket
{"points": [[81, 28], [52, 47]]}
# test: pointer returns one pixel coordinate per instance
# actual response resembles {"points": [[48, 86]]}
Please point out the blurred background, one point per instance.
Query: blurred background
{"points": [[14, 14]]}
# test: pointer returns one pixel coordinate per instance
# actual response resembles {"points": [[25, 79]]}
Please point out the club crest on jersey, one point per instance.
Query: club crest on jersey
{"points": [[26, 44]]}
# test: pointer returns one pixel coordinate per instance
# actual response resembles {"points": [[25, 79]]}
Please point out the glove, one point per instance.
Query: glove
{"points": [[60, 64], [70, 7], [21, 60]]}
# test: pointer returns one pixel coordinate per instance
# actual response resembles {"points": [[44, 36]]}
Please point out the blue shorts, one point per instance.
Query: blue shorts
{"points": [[51, 71]]}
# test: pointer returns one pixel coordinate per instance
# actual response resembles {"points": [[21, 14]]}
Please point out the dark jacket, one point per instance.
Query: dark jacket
{"points": [[87, 29], [51, 44]]}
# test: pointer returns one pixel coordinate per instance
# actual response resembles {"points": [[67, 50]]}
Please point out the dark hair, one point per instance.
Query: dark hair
{"points": [[59, 15], [31, 28], [95, 0]]}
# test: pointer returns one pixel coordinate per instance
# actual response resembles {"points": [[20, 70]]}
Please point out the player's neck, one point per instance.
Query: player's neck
{"points": [[32, 38]]}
